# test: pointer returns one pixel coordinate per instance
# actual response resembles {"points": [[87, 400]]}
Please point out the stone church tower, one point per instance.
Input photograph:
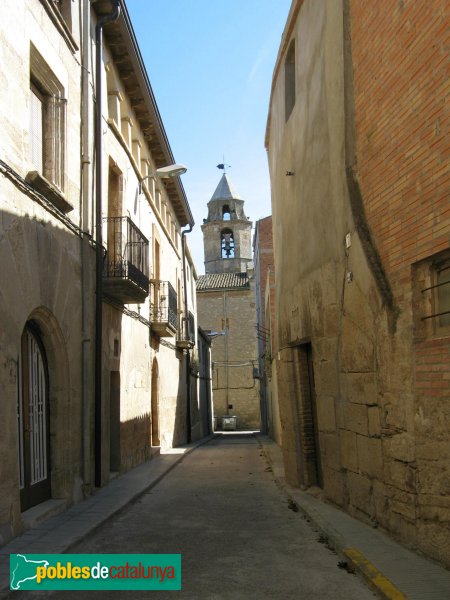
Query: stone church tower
{"points": [[227, 232], [226, 305]]}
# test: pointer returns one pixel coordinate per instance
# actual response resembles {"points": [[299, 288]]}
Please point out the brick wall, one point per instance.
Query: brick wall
{"points": [[401, 65], [400, 70], [401, 80]]}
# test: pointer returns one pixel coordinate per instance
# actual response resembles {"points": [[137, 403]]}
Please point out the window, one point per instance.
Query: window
{"points": [[431, 296], [289, 80], [60, 13], [47, 110], [64, 8], [227, 243], [226, 213], [36, 128], [443, 295]]}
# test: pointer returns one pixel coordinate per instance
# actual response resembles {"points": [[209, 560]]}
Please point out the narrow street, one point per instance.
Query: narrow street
{"points": [[221, 509]]}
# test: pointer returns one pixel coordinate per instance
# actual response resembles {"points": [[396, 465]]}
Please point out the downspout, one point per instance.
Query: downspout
{"points": [[85, 247], [186, 329], [99, 237], [227, 378], [208, 384]]}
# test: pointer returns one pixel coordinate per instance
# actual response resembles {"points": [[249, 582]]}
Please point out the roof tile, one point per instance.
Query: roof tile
{"points": [[222, 281]]}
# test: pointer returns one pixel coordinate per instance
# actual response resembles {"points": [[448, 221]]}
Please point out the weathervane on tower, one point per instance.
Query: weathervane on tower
{"points": [[222, 166]]}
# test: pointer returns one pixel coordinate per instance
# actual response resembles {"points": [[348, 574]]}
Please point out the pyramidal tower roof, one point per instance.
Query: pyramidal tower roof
{"points": [[225, 191]]}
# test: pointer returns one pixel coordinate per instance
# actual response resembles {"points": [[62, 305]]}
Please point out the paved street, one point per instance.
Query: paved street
{"points": [[221, 509]]}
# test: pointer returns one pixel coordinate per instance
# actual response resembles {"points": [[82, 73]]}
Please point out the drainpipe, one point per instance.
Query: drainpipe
{"points": [[99, 238], [186, 329], [85, 247], [225, 326]]}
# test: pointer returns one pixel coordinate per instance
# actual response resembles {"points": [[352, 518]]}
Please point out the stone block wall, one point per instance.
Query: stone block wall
{"points": [[400, 66], [41, 260], [234, 355], [361, 233]]}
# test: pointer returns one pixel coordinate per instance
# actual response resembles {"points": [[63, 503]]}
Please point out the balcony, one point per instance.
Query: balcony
{"points": [[186, 339], [163, 308], [125, 267]]}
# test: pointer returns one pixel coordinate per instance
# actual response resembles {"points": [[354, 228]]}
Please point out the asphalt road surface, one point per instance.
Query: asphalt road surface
{"points": [[222, 510]]}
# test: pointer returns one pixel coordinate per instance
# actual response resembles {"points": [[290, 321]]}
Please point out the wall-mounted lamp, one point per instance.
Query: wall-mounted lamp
{"points": [[165, 173], [213, 334]]}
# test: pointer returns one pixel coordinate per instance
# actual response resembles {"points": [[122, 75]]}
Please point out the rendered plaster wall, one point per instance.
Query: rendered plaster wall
{"points": [[138, 346]]}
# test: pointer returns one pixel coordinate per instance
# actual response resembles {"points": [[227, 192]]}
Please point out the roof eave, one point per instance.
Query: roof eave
{"points": [[121, 33], [223, 289]]}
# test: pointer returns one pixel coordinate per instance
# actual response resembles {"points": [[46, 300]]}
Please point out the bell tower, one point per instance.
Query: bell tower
{"points": [[227, 232]]}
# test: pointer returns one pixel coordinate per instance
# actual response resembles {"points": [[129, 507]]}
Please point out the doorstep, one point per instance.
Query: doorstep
{"points": [[42, 512]]}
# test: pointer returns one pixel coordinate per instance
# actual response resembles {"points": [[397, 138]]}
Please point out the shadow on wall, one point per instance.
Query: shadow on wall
{"points": [[180, 427], [41, 289]]}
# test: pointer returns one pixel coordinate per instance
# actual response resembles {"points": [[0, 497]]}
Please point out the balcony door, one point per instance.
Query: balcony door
{"points": [[115, 241], [33, 421]]}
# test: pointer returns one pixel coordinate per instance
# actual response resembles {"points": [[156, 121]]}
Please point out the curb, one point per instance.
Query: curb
{"points": [[359, 564], [6, 592], [375, 578]]}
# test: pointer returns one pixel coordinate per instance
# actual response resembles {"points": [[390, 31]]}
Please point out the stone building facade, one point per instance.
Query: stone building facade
{"points": [[84, 396], [204, 381], [44, 319], [226, 306], [357, 137], [265, 322]]}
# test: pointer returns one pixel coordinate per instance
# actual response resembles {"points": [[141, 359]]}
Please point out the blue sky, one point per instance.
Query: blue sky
{"points": [[210, 63]]}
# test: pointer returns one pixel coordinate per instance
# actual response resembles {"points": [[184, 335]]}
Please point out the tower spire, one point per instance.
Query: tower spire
{"points": [[226, 230]]}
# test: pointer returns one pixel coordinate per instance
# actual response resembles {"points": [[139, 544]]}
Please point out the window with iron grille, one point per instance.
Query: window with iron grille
{"points": [[431, 295], [443, 295]]}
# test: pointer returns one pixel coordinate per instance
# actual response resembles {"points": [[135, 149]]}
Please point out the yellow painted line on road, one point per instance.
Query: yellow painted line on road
{"points": [[375, 577]]}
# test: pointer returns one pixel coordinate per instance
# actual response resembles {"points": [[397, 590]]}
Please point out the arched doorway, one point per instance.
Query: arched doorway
{"points": [[33, 420], [155, 441]]}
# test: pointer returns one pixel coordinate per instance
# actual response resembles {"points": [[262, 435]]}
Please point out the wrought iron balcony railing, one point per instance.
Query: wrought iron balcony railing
{"points": [[186, 332], [163, 308], [125, 268]]}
